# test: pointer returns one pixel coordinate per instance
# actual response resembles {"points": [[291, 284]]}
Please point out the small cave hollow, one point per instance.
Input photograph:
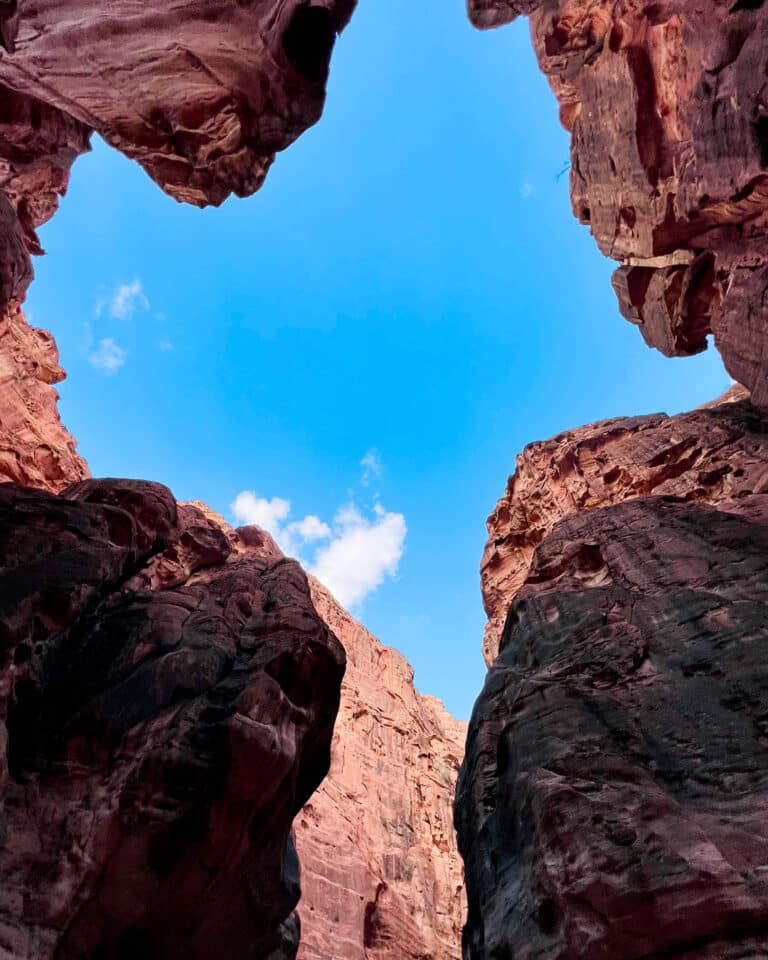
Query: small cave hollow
{"points": [[308, 42]]}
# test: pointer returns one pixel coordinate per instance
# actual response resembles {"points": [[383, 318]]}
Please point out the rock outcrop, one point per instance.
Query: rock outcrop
{"points": [[35, 449], [381, 874], [713, 455], [38, 145], [202, 94], [667, 104], [167, 699], [612, 801]]}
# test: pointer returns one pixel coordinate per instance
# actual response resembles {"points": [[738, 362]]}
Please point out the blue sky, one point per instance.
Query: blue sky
{"points": [[409, 290]]}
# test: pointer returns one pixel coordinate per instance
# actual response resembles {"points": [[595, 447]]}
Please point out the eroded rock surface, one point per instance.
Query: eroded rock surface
{"points": [[166, 708], [381, 874], [713, 455], [202, 94], [613, 798], [38, 145], [35, 449], [667, 103]]}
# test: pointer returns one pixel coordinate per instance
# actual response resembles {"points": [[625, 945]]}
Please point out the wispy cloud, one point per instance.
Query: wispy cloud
{"points": [[108, 356], [526, 190], [352, 555], [164, 345], [371, 464], [126, 299]]}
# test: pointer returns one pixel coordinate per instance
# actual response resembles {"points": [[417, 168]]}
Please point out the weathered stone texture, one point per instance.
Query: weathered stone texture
{"points": [[667, 103], [613, 797], [714, 455], [381, 874], [166, 708], [202, 94], [35, 449]]}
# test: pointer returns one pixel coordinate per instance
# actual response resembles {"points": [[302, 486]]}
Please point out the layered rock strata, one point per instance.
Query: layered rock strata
{"points": [[667, 105], [381, 874], [612, 801], [167, 699]]}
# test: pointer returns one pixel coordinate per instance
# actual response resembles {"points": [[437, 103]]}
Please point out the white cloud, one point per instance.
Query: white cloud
{"points": [[361, 555], [526, 190], [310, 529], [371, 464], [126, 298], [250, 509], [363, 548], [108, 356], [164, 345]]}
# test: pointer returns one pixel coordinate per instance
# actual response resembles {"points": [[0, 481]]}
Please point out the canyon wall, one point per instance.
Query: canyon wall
{"points": [[167, 701], [612, 802], [667, 105], [167, 689], [169, 685], [381, 874]]}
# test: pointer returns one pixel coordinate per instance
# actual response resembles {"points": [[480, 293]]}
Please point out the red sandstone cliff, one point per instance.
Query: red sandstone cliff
{"points": [[667, 105], [713, 455], [35, 449], [381, 874], [166, 708], [612, 802]]}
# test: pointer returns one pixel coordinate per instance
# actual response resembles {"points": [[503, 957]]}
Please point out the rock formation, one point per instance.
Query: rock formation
{"points": [[201, 94], [38, 145], [667, 104], [714, 455], [167, 698], [35, 449], [381, 874], [612, 802]]}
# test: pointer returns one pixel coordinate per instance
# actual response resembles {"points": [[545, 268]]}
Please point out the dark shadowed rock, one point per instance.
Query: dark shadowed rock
{"points": [[166, 707], [714, 455], [613, 800]]}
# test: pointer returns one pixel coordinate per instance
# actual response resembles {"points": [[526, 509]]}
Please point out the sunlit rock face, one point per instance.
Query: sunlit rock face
{"points": [[35, 449], [381, 874], [613, 797], [167, 699], [668, 109]]}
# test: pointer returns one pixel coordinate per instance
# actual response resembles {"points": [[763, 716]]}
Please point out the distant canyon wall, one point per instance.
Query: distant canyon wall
{"points": [[382, 878]]}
